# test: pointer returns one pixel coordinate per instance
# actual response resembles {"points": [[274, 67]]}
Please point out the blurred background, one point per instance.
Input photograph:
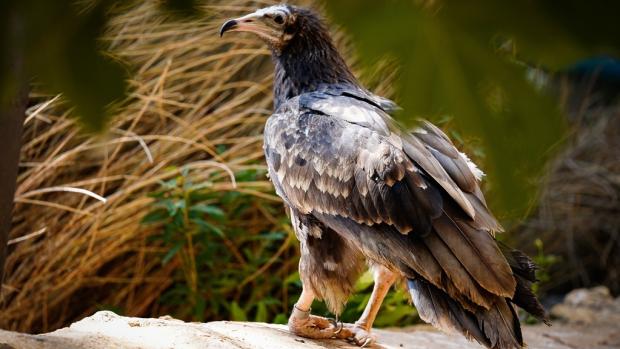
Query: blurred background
{"points": [[141, 185]]}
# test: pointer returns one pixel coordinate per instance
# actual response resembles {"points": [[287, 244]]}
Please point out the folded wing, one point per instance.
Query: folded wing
{"points": [[409, 200]]}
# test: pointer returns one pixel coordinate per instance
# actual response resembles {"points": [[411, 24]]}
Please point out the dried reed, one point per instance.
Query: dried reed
{"points": [[77, 242]]}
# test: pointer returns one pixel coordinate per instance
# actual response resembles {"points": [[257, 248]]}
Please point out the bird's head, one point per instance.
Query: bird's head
{"points": [[304, 52], [277, 25]]}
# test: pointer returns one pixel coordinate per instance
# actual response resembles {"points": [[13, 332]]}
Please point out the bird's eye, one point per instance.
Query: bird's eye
{"points": [[278, 19]]}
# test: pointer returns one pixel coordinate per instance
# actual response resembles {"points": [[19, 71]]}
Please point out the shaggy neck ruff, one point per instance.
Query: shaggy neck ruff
{"points": [[308, 60]]}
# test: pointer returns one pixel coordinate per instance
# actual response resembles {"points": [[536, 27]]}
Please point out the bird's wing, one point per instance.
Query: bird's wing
{"points": [[348, 166], [453, 170], [337, 157], [337, 151]]}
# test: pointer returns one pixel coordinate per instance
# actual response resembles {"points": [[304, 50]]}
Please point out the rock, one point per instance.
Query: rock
{"points": [[588, 306], [596, 298], [108, 330]]}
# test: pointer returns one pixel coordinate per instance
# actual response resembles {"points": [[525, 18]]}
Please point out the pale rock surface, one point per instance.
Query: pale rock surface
{"points": [[587, 306], [586, 319]]}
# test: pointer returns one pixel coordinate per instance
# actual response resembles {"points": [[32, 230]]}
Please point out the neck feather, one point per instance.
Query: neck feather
{"points": [[309, 60]]}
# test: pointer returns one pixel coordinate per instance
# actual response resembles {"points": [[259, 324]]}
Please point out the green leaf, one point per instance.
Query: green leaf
{"points": [[237, 313], [73, 63], [156, 216], [261, 312], [173, 206], [364, 298], [169, 184], [273, 236], [172, 252], [212, 211], [208, 227], [365, 281], [270, 301], [246, 176], [199, 309], [292, 279], [450, 65], [394, 315], [281, 319]]}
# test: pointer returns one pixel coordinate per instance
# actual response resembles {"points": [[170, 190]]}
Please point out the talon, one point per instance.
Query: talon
{"points": [[314, 327], [339, 328], [333, 322]]}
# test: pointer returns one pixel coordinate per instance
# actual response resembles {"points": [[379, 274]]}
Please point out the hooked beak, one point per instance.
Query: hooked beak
{"points": [[228, 26], [253, 23]]}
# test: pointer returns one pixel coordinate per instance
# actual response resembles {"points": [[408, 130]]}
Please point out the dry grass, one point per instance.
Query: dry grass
{"points": [[192, 94]]}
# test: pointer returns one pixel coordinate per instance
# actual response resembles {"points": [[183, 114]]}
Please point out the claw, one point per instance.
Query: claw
{"points": [[338, 325], [366, 342], [339, 328], [333, 321]]}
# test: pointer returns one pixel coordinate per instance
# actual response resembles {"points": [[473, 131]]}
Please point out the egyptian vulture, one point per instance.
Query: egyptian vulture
{"points": [[363, 192]]}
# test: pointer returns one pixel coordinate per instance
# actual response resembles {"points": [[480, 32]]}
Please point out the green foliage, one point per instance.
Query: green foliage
{"points": [[58, 43], [462, 58], [544, 262], [215, 254]]}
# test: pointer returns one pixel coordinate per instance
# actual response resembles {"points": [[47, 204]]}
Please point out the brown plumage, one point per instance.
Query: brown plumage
{"points": [[359, 187]]}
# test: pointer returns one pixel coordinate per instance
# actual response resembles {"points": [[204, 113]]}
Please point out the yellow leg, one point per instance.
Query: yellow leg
{"points": [[384, 279]]}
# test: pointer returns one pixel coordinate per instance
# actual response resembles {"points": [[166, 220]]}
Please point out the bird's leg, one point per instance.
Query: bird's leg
{"points": [[384, 279], [304, 324]]}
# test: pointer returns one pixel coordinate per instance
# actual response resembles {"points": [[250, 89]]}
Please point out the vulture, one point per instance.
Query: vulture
{"points": [[362, 192]]}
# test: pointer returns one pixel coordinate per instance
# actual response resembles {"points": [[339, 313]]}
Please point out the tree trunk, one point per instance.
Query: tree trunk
{"points": [[12, 109], [11, 124]]}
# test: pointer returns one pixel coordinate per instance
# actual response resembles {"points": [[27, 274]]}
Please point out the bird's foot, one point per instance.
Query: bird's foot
{"points": [[359, 335], [303, 324]]}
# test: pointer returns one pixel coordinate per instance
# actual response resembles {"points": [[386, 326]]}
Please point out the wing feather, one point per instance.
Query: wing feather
{"points": [[409, 200], [416, 150], [455, 271], [329, 165], [457, 170], [477, 251]]}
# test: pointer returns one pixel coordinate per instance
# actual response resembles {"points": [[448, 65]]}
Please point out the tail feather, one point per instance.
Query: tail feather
{"points": [[501, 325], [524, 270], [496, 328], [526, 299], [519, 262]]}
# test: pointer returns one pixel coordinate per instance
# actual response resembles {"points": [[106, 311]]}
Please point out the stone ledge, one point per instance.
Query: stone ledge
{"points": [[599, 328]]}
